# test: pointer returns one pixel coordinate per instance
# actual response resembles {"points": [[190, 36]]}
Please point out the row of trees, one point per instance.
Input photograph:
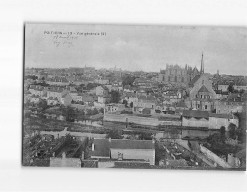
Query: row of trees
{"points": [[71, 114], [128, 80], [125, 102]]}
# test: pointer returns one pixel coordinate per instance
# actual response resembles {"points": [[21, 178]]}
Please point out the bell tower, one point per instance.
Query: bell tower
{"points": [[202, 65]]}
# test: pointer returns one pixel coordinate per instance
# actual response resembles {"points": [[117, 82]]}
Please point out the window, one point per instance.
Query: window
{"points": [[203, 82], [201, 96], [206, 107]]}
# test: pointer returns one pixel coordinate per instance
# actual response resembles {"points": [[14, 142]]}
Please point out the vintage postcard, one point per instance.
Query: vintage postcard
{"points": [[134, 96]]}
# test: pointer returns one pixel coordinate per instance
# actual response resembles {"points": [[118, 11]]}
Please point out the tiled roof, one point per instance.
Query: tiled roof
{"points": [[151, 98], [228, 116], [203, 89], [192, 82], [129, 94], [101, 148], [55, 89], [131, 144], [195, 113]]}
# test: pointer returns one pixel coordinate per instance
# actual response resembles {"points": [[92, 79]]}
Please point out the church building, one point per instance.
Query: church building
{"points": [[201, 93]]}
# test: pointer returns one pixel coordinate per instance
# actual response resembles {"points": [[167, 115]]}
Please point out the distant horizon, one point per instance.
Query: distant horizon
{"points": [[130, 70], [136, 48]]}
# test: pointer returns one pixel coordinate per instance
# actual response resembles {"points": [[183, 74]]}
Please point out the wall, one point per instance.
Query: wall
{"points": [[226, 108], [145, 154], [197, 133], [173, 123], [214, 157], [132, 119], [217, 123], [106, 164], [58, 134], [192, 122], [203, 80]]}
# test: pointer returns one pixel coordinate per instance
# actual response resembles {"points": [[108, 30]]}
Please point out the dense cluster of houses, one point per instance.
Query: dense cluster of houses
{"points": [[147, 95]]}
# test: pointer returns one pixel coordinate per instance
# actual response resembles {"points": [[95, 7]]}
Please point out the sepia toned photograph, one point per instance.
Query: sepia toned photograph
{"points": [[134, 96]]}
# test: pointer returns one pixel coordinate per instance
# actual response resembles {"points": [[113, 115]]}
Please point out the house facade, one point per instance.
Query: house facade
{"points": [[121, 149]]}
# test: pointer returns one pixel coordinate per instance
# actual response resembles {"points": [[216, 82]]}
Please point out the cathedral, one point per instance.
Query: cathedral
{"points": [[177, 74]]}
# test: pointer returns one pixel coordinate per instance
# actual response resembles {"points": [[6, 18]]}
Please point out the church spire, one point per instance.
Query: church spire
{"points": [[202, 65]]}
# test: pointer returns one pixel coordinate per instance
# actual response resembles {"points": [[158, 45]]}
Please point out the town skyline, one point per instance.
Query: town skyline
{"points": [[85, 110], [154, 47]]}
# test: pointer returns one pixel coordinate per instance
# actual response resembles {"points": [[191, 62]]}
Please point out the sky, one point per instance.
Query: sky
{"points": [[132, 47]]}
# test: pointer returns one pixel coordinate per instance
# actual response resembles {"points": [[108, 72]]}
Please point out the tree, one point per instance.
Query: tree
{"points": [[223, 132], [101, 110], [33, 77], [145, 136], [114, 134], [115, 97], [70, 114], [82, 112], [230, 88], [42, 104], [95, 111], [91, 86], [215, 139], [125, 103], [128, 80], [232, 131], [89, 112]]}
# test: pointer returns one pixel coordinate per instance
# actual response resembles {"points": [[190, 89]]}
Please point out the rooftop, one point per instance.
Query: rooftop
{"points": [[195, 113]]}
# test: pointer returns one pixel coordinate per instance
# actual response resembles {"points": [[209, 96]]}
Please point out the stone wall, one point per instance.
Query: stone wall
{"points": [[131, 119]]}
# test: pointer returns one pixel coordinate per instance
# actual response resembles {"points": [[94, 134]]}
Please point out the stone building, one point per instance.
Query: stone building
{"points": [[173, 73], [177, 74], [201, 96], [124, 150]]}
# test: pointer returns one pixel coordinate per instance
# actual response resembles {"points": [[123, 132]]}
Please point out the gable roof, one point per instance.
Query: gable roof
{"points": [[192, 82], [203, 89]]}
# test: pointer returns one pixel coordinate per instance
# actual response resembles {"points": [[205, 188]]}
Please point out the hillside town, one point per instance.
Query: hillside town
{"points": [[180, 117]]}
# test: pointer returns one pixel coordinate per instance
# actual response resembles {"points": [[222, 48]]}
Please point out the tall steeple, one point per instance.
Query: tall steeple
{"points": [[202, 65]]}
